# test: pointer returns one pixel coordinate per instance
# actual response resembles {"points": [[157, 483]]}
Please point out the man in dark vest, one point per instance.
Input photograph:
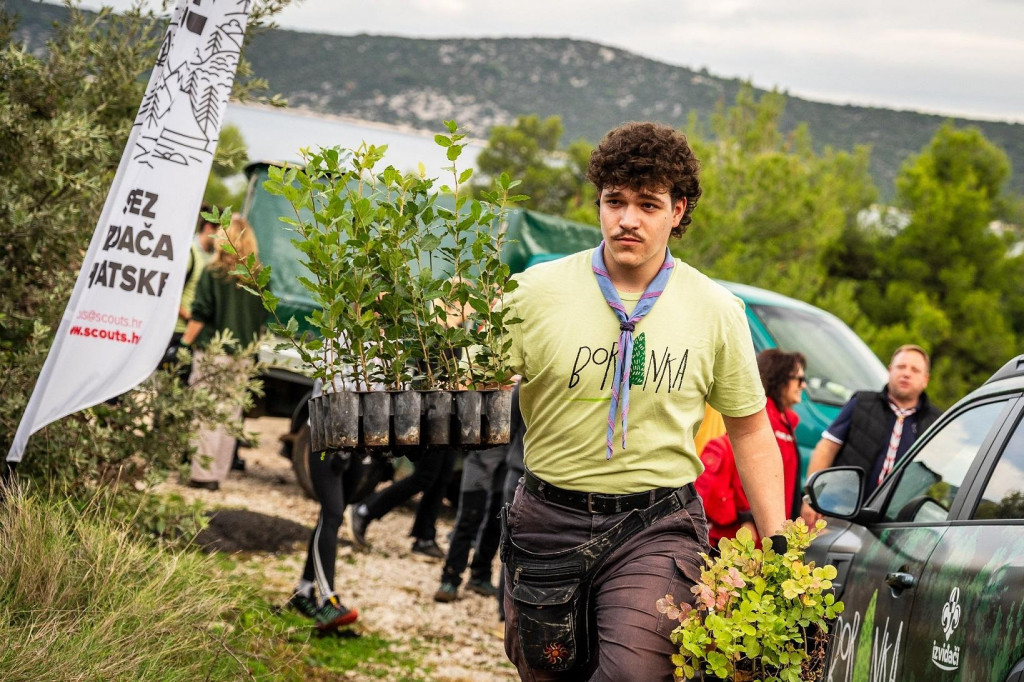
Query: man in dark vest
{"points": [[876, 428]]}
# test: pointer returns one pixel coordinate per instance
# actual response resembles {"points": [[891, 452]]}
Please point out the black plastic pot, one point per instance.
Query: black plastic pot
{"points": [[384, 419]]}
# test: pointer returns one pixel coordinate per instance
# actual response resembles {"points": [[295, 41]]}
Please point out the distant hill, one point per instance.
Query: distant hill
{"points": [[487, 81]]}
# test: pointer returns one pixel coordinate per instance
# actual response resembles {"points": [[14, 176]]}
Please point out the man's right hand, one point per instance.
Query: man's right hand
{"points": [[809, 516]]}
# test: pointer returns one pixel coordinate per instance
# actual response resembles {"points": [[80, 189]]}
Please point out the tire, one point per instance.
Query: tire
{"points": [[300, 461]]}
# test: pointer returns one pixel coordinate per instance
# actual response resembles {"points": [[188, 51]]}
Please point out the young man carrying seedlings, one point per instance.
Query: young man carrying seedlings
{"points": [[606, 520]]}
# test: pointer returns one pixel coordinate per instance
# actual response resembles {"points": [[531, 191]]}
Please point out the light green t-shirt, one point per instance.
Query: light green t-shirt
{"points": [[197, 261], [693, 346]]}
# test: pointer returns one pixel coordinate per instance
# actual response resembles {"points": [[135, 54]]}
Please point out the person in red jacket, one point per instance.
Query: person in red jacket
{"points": [[783, 377]]}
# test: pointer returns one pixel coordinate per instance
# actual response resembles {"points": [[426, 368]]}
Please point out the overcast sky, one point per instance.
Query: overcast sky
{"points": [[956, 57]]}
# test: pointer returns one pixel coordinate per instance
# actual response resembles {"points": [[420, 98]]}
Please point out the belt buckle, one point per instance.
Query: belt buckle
{"points": [[590, 503]]}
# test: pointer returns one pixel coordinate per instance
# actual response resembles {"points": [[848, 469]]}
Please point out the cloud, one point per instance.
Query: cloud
{"points": [[944, 55]]}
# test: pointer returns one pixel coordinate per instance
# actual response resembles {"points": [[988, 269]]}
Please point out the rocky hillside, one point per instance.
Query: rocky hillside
{"points": [[481, 82]]}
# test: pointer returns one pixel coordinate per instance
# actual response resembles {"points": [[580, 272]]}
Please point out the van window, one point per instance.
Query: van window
{"points": [[930, 482], [838, 362], [1004, 495]]}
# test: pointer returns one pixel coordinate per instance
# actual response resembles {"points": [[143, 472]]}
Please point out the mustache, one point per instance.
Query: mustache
{"points": [[628, 235]]}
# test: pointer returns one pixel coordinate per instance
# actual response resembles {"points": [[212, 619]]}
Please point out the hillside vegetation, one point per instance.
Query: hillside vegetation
{"points": [[782, 205], [592, 87]]}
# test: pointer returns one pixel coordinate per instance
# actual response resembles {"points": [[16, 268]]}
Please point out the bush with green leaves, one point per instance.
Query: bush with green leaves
{"points": [[65, 115], [759, 615], [391, 263], [134, 441]]}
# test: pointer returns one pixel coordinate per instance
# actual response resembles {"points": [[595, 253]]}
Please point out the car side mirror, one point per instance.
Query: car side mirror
{"points": [[836, 492]]}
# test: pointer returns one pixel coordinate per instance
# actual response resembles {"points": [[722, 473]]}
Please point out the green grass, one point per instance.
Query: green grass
{"points": [[84, 597], [81, 597], [375, 657]]}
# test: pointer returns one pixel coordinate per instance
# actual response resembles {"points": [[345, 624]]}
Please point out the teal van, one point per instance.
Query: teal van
{"points": [[839, 363]]}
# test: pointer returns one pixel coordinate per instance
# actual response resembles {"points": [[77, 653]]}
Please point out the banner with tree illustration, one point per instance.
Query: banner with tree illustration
{"points": [[124, 305]]}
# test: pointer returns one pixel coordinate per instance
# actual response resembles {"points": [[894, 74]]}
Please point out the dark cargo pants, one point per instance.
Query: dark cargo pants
{"points": [[631, 638]]}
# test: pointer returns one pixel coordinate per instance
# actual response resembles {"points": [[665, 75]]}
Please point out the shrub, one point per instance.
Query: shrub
{"points": [[759, 615], [133, 441], [65, 115]]}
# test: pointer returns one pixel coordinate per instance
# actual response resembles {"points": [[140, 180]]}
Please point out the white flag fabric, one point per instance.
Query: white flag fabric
{"points": [[124, 305]]}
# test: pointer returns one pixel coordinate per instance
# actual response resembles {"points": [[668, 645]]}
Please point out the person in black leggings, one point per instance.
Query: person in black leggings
{"points": [[326, 470], [432, 472]]}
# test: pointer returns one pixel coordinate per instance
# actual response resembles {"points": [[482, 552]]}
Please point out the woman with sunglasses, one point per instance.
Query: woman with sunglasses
{"points": [[783, 376]]}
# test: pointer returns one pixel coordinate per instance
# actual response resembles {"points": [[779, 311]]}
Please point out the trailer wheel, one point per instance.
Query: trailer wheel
{"points": [[300, 460]]}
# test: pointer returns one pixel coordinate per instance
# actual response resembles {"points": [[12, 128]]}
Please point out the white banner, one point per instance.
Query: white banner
{"points": [[124, 306]]}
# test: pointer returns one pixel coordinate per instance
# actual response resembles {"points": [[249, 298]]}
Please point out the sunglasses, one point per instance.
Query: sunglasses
{"points": [[802, 378]]}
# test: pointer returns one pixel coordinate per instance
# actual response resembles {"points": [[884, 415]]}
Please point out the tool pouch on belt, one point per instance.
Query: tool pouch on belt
{"points": [[553, 616], [551, 591]]}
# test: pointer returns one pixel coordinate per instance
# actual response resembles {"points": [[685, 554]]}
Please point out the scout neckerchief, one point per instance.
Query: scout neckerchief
{"points": [[894, 438], [627, 323]]}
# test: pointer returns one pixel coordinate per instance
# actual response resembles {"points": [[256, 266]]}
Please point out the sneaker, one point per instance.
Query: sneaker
{"points": [[427, 548], [446, 593], [333, 615], [360, 520], [482, 587], [303, 604]]}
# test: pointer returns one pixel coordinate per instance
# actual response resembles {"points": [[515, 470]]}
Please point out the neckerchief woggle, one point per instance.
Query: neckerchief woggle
{"points": [[627, 323]]}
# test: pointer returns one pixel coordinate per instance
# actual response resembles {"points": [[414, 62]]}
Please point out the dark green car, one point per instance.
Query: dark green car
{"points": [[931, 566]]}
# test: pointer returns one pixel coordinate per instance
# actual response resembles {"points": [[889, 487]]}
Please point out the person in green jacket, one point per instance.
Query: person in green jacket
{"points": [[201, 251], [222, 304]]}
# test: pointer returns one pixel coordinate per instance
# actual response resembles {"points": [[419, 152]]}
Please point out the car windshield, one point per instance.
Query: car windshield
{"points": [[838, 362]]}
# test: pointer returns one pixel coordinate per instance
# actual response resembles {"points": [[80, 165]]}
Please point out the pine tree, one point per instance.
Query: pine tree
{"points": [[636, 369]]}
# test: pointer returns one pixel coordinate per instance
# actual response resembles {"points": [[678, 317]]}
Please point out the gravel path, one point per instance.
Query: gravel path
{"points": [[392, 588]]}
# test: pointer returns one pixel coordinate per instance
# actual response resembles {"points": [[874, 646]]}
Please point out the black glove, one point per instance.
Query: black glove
{"points": [[779, 544], [170, 359]]}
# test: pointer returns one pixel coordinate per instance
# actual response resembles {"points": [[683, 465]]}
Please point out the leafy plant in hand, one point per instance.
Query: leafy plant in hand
{"points": [[759, 615]]}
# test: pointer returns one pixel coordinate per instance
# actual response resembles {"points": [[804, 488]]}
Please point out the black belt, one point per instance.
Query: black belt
{"points": [[601, 503]]}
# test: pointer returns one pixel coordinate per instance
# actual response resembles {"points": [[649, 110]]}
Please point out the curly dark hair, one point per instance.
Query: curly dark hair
{"points": [[777, 368], [652, 156]]}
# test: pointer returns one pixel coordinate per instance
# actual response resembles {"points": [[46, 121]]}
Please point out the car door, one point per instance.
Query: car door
{"points": [[882, 563], [968, 616]]}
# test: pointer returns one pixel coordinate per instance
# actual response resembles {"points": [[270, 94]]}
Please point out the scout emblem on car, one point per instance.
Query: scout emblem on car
{"points": [[951, 613], [944, 656]]}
